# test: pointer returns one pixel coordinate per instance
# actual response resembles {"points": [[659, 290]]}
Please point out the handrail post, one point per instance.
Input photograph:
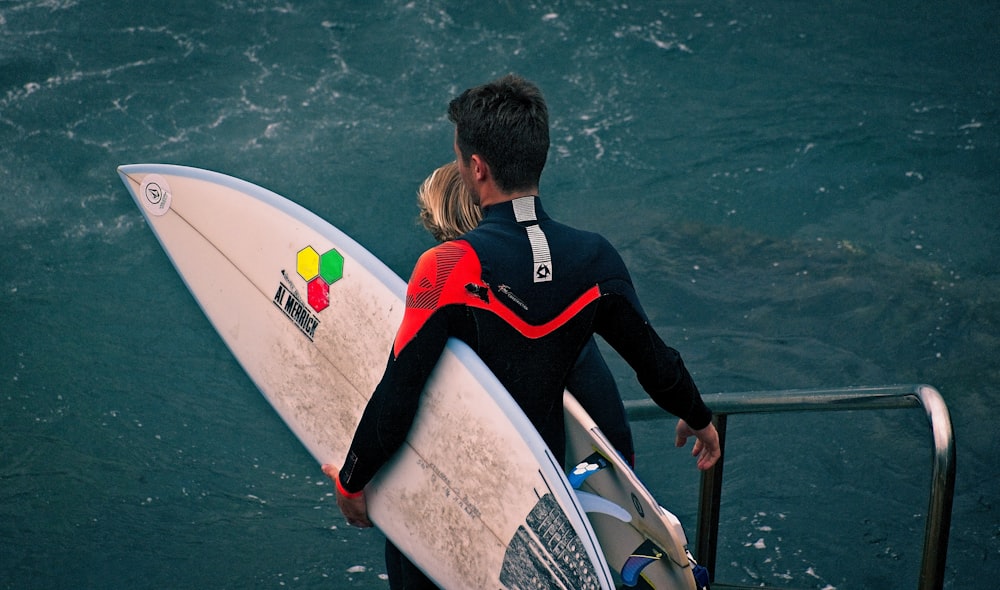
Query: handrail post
{"points": [[709, 503], [937, 530]]}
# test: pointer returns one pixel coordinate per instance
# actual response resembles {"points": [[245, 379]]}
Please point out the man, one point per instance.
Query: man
{"points": [[525, 292]]}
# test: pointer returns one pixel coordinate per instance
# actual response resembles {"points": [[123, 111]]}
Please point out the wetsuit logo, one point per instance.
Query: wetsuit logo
{"points": [[510, 295], [542, 273]]}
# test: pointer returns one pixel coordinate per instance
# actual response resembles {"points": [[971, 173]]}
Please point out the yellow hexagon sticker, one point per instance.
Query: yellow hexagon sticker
{"points": [[307, 263]]}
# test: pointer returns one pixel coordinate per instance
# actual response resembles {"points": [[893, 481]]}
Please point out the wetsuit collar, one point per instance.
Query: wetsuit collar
{"points": [[526, 209]]}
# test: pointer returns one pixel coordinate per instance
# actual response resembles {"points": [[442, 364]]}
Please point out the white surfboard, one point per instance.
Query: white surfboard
{"points": [[643, 541], [474, 498]]}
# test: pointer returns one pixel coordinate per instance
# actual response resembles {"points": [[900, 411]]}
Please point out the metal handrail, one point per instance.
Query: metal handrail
{"points": [[942, 491]]}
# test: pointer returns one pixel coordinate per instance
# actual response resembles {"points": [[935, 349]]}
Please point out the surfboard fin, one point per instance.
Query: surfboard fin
{"points": [[643, 555], [594, 503]]}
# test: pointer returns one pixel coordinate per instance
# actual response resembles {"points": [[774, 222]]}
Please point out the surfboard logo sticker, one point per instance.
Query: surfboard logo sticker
{"points": [[155, 194], [589, 466], [319, 271], [287, 300], [638, 506]]}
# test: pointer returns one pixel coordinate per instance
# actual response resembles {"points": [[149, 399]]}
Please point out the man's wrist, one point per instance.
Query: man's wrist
{"points": [[343, 491]]}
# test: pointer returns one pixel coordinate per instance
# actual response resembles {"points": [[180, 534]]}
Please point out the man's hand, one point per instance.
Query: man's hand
{"points": [[706, 447], [353, 507]]}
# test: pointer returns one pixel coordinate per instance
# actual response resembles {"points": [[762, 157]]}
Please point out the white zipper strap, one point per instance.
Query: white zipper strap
{"points": [[524, 212]]}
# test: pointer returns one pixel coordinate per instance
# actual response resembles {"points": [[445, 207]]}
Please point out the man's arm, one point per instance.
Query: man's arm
{"points": [[659, 368], [389, 415], [390, 412]]}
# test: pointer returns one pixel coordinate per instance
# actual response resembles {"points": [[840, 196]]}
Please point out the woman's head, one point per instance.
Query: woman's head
{"points": [[446, 206]]}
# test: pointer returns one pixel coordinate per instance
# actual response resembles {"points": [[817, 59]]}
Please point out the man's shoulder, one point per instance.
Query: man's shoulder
{"points": [[449, 249], [442, 259], [579, 233], [582, 240]]}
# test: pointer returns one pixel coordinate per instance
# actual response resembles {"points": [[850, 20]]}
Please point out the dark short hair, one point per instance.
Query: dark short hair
{"points": [[506, 123]]}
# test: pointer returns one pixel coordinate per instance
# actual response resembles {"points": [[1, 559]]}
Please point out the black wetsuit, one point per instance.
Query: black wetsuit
{"points": [[526, 296], [526, 293], [592, 384]]}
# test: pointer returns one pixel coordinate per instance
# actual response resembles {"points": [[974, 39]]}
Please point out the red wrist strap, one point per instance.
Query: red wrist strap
{"points": [[345, 493]]}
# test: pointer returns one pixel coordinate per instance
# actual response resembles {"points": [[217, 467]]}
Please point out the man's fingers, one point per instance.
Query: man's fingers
{"points": [[683, 432], [355, 510], [706, 445], [698, 446]]}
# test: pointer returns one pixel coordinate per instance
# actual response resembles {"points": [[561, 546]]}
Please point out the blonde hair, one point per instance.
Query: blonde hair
{"points": [[447, 209]]}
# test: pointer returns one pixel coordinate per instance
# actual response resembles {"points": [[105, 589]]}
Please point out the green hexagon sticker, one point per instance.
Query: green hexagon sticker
{"points": [[331, 266]]}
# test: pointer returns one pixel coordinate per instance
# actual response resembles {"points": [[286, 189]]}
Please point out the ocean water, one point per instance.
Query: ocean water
{"points": [[807, 194]]}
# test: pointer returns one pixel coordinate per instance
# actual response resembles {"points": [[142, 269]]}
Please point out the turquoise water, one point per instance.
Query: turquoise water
{"points": [[806, 193]]}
